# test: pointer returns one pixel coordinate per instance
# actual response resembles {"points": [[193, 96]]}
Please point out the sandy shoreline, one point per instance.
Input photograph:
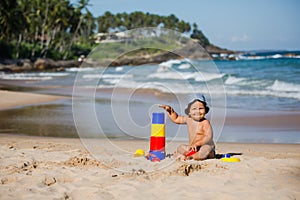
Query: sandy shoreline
{"points": [[9, 99], [62, 168], [57, 168]]}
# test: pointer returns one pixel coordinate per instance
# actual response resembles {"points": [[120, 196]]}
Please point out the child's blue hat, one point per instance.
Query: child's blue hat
{"points": [[193, 98]]}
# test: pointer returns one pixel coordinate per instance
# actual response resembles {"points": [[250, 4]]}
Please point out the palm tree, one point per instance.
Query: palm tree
{"points": [[11, 20], [12, 23], [171, 22], [197, 34], [83, 4], [105, 22], [59, 17]]}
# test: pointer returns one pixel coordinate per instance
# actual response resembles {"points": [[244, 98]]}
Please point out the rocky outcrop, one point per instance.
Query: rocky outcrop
{"points": [[26, 65], [212, 49], [48, 64], [191, 50]]}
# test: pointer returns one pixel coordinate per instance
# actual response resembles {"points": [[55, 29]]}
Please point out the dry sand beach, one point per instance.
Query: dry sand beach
{"points": [[52, 168], [63, 168]]}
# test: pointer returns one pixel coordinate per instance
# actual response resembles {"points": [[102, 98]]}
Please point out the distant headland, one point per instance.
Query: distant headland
{"points": [[53, 36]]}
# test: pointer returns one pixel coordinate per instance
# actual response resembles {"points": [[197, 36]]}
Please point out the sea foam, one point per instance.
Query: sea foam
{"points": [[284, 86]]}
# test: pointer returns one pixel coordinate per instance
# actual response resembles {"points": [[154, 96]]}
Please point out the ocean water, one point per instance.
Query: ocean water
{"points": [[122, 98], [268, 82]]}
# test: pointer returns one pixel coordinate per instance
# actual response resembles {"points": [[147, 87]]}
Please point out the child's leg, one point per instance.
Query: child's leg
{"points": [[181, 151], [206, 151]]}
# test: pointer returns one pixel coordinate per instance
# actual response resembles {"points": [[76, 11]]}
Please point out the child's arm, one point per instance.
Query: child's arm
{"points": [[173, 115]]}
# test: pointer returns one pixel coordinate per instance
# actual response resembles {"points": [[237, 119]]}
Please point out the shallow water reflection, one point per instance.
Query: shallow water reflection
{"points": [[53, 120]]}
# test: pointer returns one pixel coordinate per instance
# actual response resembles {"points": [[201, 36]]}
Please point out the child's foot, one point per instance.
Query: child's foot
{"points": [[188, 158], [178, 156]]}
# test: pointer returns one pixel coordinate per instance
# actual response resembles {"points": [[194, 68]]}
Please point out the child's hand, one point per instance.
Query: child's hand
{"points": [[193, 148], [169, 109]]}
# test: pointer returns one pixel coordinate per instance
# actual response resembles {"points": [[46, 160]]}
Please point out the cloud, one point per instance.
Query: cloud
{"points": [[242, 38]]}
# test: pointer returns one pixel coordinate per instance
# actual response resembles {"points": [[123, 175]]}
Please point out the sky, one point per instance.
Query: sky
{"points": [[230, 24]]}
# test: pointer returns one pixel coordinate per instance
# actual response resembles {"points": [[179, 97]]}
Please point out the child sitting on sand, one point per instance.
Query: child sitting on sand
{"points": [[199, 130]]}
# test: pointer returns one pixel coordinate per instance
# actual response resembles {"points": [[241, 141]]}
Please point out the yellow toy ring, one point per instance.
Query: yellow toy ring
{"points": [[231, 159]]}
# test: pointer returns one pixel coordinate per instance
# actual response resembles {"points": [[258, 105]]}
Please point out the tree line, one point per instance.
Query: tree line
{"points": [[58, 29]]}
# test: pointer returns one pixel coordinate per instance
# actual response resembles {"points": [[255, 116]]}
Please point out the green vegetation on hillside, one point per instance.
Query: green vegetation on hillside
{"points": [[143, 45], [58, 29]]}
